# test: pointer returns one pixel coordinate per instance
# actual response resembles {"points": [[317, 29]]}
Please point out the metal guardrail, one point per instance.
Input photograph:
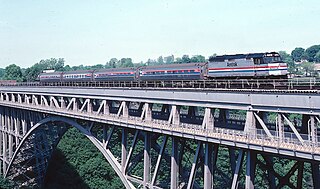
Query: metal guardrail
{"points": [[284, 84]]}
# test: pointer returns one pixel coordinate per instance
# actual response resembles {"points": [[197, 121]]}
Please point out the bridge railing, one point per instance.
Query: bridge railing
{"points": [[307, 83]]}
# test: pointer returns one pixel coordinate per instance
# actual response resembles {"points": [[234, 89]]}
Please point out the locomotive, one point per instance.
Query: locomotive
{"points": [[253, 65]]}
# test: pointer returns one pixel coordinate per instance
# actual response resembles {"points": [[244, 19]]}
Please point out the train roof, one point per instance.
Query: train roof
{"points": [[50, 73], [78, 72], [175, 65], [239, 56], [115, 69]]}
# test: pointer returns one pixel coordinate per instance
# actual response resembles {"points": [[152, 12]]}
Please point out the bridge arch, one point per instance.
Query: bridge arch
{"points": [[71, 123]]}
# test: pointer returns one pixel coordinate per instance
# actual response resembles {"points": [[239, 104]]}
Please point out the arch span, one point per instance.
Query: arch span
{"points": [[106, 152]]}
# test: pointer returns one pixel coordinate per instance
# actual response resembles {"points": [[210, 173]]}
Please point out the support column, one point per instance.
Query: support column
{"points": [[147, 112], [75, 104], [123, 149], [313, 130], [271, 177], [146, 163], [208, 166], [62, 103], [280, 126], [194, 166], [164, 142], [235, 182], [107, 108], [10, 136], [250, 125], [232, 159], [250, 169], [208, 120], [4, 150], [89, 106], [174, 115], [315, 175], [174, 164]]}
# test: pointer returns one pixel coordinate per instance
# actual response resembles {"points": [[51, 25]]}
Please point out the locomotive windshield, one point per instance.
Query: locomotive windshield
{"points": [[269, 58]]}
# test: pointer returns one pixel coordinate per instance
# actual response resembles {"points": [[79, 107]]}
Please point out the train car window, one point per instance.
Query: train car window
{"points": [[257, 60]]}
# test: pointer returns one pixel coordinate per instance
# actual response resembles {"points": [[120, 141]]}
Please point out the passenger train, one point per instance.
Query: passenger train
{"points": [[254, 65]]}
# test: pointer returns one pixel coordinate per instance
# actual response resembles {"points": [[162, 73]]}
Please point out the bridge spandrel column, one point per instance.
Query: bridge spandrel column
{"points": [[313, 130], [208, 166], [250, 169], [146, 161], [250, 124], [280, 126], [208, 120], [174, 115], [315, 175], [146, 113], [4, 152], [174, 163], [62, 103], [124, 149]]}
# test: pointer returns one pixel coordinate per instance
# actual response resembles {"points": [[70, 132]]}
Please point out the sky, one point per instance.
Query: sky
{"points": [[92, 32]]}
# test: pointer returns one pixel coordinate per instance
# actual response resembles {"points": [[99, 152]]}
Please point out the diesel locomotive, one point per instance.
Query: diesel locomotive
{"points": [[253, 65]]}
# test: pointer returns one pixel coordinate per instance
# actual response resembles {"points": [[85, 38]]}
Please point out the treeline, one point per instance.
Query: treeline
{"points": [[300, 61]]}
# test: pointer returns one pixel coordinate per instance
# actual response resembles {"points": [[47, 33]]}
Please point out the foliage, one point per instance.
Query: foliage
{"points": [[32, 73], [5, 184], [169, 59], [297, 54], [185, 59], [13, 72], [2, 72], [79, 164], [317, 57], [198, 58], [288, 59], [311, 52], [308, 68]]}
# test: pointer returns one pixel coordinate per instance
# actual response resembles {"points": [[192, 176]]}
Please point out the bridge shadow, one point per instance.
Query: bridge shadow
{"points": [[61, 174]]}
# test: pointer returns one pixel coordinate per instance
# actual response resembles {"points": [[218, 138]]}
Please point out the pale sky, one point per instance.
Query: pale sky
{"points": [[91, 32]]}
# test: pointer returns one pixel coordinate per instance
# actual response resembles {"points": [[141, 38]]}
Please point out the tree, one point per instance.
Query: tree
{"points": [[317, 57], [112, 63], [160, 60], [125, 63], [2, 72], [311, 52], [13, 72], [186, 59], [67, 68], [32, 73], [288, 59], [178, 60], [97, 66], [169, 59], [297, 54], [198, 58], [308, 68]]}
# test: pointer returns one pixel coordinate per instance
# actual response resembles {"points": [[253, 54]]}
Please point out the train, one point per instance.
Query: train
{"points": [[253, 65]]}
